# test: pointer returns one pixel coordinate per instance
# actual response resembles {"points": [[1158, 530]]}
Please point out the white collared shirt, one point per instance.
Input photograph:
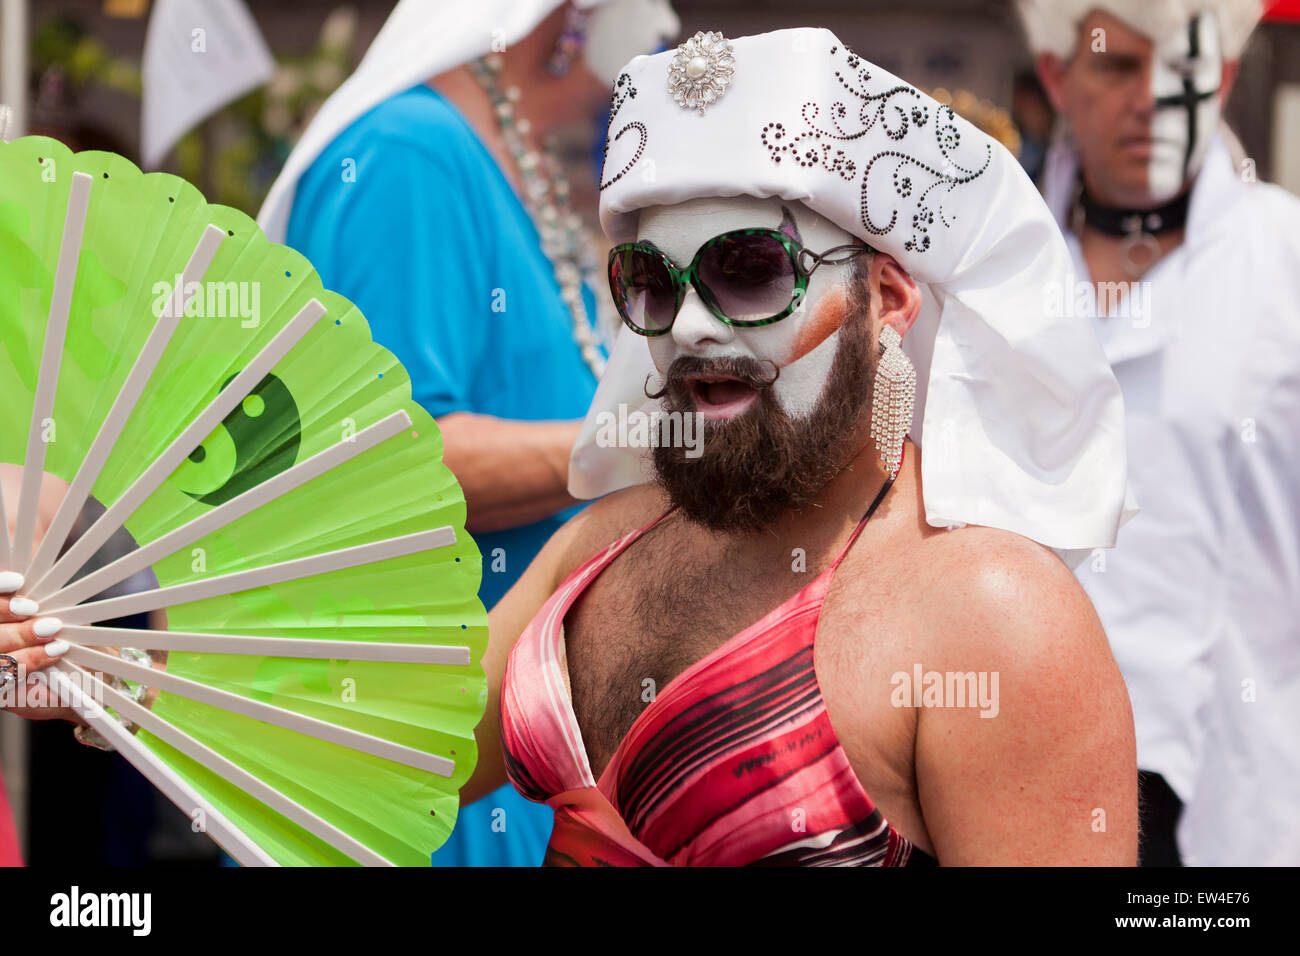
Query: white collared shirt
{"points": [[1201, 597]]}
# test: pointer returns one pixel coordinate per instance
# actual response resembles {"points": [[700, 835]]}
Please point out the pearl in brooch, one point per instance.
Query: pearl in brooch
{"points": [[701, 70]]}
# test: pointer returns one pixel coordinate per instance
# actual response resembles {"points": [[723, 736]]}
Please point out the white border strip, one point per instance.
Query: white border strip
{"points": [[228, 836], [189, 439], [232, 773], [223, 584], [127, 398], [385, 652], [266, 713], [6, 552], [56, 330], [232, 510]]}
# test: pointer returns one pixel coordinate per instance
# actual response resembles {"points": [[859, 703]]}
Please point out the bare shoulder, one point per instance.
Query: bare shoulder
{"points": [[1057, 767], [988, 599], [1005, 595], [973, 593]]}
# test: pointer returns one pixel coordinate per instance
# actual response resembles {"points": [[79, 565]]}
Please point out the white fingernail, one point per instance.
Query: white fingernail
{"points": [[56, 648], [10, 581], [47, 626], [23, 607]]}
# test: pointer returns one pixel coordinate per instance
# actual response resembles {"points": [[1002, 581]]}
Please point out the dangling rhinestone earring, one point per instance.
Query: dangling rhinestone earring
{"points": [[892, 399], [570, 43]]}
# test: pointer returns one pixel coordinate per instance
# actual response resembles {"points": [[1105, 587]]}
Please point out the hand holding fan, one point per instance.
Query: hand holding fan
{"points": [[322, 679]]}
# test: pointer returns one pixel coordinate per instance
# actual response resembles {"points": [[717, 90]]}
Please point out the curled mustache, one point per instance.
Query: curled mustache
{"points": [[750, 371]]}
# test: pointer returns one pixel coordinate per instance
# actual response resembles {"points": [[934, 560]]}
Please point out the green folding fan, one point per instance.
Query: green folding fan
{"points": [[322, 680]]}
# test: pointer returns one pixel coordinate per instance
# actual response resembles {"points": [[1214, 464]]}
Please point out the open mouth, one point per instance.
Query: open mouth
{"points": [[720, 396]]}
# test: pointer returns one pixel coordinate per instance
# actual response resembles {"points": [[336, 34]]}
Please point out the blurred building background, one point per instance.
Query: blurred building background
{"points": [[83, 80], [85, 57]]}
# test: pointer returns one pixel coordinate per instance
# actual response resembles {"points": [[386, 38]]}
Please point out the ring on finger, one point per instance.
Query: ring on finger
{"points": [[8, 670]]}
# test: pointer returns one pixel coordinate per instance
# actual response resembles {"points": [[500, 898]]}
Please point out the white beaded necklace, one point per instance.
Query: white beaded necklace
{"points": [[546, 199]]}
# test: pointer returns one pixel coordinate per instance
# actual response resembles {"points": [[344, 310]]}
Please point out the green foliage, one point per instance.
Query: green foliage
{"points": [[237, 153]]}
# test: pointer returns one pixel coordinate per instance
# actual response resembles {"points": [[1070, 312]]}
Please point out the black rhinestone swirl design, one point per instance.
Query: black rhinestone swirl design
{"points": [[898, 112], [623, 91]]}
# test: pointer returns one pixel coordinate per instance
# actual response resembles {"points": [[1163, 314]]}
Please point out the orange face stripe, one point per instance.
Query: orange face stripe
{"points": [[831, 312]]}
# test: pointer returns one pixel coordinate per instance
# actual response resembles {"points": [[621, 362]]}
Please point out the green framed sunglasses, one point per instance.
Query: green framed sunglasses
{"points": [[746, 278]]}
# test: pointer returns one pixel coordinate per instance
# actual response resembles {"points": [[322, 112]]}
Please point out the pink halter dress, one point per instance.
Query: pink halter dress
{"points": [[734, 763]]}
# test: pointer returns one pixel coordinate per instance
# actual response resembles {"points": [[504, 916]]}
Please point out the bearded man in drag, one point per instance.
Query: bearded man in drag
{"points": [[718, 663]]}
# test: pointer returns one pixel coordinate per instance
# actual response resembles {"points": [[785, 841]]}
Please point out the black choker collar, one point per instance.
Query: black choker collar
{"points": [[1117, 221]]}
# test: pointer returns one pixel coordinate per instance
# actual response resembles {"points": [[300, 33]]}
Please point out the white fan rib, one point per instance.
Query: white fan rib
{"points": [[222, 584], [235, 392], [232, 510], [232, 839], [127, 397], [250, 644], [254, 786], [6, 549], [266, 713], [47, 384]]}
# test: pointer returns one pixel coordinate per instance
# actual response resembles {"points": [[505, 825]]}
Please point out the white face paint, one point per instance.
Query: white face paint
{"points": [[620, 30], [802, 345], [1186, 71]]}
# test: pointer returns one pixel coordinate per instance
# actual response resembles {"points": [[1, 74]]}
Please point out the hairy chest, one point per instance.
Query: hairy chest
{"points": [[645, 620], [648, 617]]}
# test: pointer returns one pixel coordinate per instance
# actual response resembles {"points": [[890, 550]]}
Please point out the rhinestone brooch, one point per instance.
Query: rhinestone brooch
{"points": [[701, 70]]}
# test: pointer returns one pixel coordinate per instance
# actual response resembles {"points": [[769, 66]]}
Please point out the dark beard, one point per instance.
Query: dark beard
{"points": [[762, 464]]}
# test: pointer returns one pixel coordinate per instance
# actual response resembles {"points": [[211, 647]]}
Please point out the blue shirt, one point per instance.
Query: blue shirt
{"points": [[408, 215]]}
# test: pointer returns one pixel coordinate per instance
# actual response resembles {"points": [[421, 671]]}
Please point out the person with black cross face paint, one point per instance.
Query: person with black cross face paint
{"points": [[1191, 271]]}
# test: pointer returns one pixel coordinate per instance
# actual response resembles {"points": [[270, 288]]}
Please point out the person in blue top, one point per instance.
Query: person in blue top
{"points": [[427, 207]]}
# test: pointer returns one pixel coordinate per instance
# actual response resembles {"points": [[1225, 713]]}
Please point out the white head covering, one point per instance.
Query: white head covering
{"points": [[1023, 420], [1052, 25], [420, 39]]}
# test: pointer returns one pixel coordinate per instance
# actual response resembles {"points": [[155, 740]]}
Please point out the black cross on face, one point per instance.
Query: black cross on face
{"points": [[1186, 73]]}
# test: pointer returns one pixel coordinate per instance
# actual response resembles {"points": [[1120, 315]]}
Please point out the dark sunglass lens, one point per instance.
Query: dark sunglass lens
{"points": [[751, 277], [643, 289]]}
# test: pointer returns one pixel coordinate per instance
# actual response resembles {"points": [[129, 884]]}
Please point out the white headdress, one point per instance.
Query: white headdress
{"points": [[420, 39], [1023, 420], [1052, 25]]}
